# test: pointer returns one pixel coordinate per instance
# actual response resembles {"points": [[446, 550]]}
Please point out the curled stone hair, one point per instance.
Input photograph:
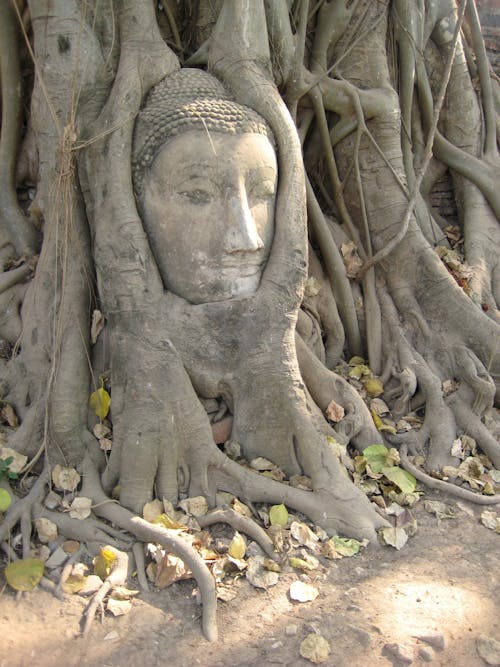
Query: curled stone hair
{"points": [[188, 99]]}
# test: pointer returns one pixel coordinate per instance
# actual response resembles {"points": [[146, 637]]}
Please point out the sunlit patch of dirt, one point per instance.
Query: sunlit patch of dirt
{"points": [[444, 582]]}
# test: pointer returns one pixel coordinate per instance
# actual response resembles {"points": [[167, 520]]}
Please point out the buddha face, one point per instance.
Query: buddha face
{"points": [[208, 209]]}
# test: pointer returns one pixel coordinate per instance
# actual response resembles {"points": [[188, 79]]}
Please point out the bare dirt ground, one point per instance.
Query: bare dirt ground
{"points": [[444, 585]]}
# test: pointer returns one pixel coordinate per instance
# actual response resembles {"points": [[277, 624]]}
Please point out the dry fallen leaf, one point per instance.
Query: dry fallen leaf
{"points": [[46, 529], [18, 460], [379, 406], [151, 510], [196, 506], [352, 261], [260, 463], [334, 412], [315, 648], [105, 444], [302, 592], [395, 537], [491, 520], [8, 416], [101, 430], [241, 508], [66, 479], [258, 576], [81, 508], [304, 535], [97, 325], [170, 570], [118, 607]]}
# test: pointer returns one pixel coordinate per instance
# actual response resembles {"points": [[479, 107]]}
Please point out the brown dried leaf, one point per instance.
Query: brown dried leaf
{"points": [[334, 412], [196, 506], [8, 416], [66, 479], [261, 464], [118, 607], [46, 529], [241, 508], [105, 444], [304, 535], [81, 508], [101, 430], [97, 325], [352, 260], [170, 570]]}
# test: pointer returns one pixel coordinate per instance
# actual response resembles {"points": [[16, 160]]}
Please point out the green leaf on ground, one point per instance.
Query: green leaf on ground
{"points": [[278, 515], [345, 546], [24, 575], [402, 479], [5, 500], [376, 457]]}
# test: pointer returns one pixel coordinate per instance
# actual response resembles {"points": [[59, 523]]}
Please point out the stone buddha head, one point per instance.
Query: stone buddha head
{"points": [[205, 177]]}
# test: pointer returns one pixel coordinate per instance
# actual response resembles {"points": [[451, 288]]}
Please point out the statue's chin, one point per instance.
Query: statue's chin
{"points": [[229, 284]]}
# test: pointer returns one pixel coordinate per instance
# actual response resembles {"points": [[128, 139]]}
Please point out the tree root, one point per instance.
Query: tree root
{"points": [[243, 524], [440, 485], [85, 530], [117, 577], [138, 551], [22, 507], [147, 532]]}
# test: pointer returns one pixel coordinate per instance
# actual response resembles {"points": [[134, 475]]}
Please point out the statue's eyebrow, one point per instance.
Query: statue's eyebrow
{"points": [[196, 170]]}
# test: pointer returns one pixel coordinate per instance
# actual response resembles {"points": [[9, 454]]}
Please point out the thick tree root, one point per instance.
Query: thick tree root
{"points": [[88, 530], [440, 485]]}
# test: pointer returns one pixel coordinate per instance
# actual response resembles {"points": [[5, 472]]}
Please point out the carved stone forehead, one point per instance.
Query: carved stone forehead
{"points": [[188, 99]]}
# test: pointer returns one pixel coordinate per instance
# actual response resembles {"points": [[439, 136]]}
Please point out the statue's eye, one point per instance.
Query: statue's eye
{"points": [[198, 196], [264, 190]]}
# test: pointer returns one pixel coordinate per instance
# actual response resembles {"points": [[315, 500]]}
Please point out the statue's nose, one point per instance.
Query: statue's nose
{"points": [[242, 234]]}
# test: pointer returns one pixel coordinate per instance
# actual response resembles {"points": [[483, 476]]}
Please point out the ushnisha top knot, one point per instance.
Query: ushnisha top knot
{"points": [[188, 99]]}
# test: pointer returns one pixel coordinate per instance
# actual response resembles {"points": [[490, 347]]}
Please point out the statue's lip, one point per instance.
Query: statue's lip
{"points": [[244, 267]]}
